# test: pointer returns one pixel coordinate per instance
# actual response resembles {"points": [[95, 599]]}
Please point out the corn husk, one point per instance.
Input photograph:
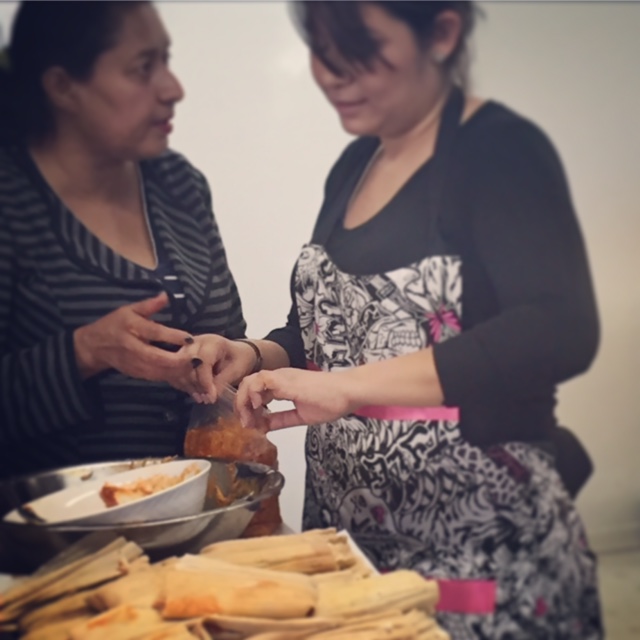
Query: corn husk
{"points": [[63, 609], [124, 623], [139, 589], [311, 552], [57, 629], [243, 626], [197, 586], [106, 564], [402, 590]]}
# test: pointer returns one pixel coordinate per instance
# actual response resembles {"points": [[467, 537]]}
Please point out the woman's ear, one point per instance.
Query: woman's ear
{"points": [[58, 86], [446, 35]]}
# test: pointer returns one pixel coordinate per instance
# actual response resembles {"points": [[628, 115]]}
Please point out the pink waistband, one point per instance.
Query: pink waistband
{"points": [[408, 413], [467, 596]]}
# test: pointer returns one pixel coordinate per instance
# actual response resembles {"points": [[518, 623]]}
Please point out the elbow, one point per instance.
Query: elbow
{"points": [[579, 347]]}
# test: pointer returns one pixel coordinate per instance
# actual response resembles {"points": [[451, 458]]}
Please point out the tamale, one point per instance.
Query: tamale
{"points": [[403, 589]]}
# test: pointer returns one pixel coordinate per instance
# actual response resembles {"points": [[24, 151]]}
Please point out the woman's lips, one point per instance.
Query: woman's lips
{"points": [[165, 126], [348, 107]]}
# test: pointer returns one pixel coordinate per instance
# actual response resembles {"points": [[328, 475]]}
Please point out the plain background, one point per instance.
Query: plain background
{"points": [[257, 127]]}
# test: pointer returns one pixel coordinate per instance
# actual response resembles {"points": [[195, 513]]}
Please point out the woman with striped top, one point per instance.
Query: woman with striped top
{"points": [[110, 256]]}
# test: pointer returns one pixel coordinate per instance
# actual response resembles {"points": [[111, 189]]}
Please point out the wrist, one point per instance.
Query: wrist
{"points": [[257, 353], [354, 387], [87, 364]]}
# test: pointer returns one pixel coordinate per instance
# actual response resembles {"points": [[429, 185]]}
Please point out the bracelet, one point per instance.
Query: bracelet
{"points": [[258, 365]]}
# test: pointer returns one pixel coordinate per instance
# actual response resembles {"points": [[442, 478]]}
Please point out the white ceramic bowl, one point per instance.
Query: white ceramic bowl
{"points": [[82, 505]]}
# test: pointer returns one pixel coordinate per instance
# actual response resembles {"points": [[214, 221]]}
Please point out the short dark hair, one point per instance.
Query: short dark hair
{"points": [[341, 25], [69, 34]]}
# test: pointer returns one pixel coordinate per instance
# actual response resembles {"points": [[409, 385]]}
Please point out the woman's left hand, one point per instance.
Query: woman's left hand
{"points": [[318, 397], [216, 362]]}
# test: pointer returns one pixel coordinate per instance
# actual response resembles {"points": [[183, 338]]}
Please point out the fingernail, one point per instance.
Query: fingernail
{"points": [[196, 362], [189, 340]]}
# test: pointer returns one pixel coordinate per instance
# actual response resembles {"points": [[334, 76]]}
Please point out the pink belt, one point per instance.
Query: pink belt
{"points": [[408, 413], [467, 596]]}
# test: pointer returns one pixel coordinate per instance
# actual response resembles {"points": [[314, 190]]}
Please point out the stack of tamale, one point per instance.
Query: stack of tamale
{"points": [[309, 586]]}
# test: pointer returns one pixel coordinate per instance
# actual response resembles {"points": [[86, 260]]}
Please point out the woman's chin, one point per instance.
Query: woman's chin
{"points": [[358, 126], [153, 148]]}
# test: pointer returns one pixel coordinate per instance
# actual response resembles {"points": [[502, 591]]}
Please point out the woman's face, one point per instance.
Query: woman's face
{"points": [[124, 110], [395, 93]]}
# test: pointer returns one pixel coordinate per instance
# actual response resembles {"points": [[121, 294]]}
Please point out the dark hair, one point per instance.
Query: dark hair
{"points": [[340, 25], [69, 34]]}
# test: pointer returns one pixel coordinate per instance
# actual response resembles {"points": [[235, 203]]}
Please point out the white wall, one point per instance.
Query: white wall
{"points": [[262, 134]]}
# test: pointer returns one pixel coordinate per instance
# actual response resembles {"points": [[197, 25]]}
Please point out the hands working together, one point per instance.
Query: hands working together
{"points": [[317, 396], [127, 340]]}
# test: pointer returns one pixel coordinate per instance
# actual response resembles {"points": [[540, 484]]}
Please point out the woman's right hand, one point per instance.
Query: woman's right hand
{"points": [[122, 340], [214, 357]]}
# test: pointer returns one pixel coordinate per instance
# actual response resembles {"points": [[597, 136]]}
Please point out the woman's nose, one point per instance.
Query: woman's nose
{"points": [[330, 76], [171, 89]]}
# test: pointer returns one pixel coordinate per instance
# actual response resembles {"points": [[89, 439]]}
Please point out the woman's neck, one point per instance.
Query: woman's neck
{"points": [[75, 171], [421, 134]]}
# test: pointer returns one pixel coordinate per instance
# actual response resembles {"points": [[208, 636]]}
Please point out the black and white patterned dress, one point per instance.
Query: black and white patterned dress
{"points": [[435, 489], [410, 490]]}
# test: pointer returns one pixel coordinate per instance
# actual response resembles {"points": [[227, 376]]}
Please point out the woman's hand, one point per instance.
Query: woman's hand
{"points": [[214, 358], [317, 396], [122, 340]]}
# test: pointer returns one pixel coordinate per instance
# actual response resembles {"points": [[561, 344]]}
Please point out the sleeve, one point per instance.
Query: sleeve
{"points": [[41, 391], [289, 337], [526, 238], [236, 325]]}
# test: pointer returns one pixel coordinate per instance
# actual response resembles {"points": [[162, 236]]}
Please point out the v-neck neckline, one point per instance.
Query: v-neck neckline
{"points": [[81, 243]]}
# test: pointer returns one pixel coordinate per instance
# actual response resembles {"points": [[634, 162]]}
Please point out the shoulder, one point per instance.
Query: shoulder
{"points": [[19, 194], [497, 138], [173, 171], [11, 173]]}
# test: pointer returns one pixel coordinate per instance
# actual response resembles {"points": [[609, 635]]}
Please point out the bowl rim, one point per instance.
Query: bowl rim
{"points": [[94, 486], [274, 484]]}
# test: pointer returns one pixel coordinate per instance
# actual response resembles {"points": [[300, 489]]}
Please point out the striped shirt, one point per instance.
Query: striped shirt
{"points": [[56, 276]]}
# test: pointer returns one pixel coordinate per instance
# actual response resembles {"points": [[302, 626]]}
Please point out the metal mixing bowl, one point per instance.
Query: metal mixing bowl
{"points": [[24, 547]]}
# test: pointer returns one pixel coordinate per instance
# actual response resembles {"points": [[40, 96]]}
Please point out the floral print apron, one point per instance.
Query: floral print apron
{"points": [[495, 526]]}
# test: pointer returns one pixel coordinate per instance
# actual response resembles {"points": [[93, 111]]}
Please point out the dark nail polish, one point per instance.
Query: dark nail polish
{"points": [[189, 340], [196, 362]]}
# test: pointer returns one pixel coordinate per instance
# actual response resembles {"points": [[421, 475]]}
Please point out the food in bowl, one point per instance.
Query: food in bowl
{"points": [[114, 495], [82, 504]]}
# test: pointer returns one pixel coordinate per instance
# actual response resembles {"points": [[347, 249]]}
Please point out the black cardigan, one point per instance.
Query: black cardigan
{"points": [[529, 313]]}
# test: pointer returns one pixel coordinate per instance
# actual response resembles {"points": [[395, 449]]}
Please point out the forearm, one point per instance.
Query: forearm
{"points": [[409, 380]]}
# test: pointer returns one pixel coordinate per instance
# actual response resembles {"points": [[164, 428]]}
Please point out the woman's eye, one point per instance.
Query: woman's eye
{"points": [[144, 70]]}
